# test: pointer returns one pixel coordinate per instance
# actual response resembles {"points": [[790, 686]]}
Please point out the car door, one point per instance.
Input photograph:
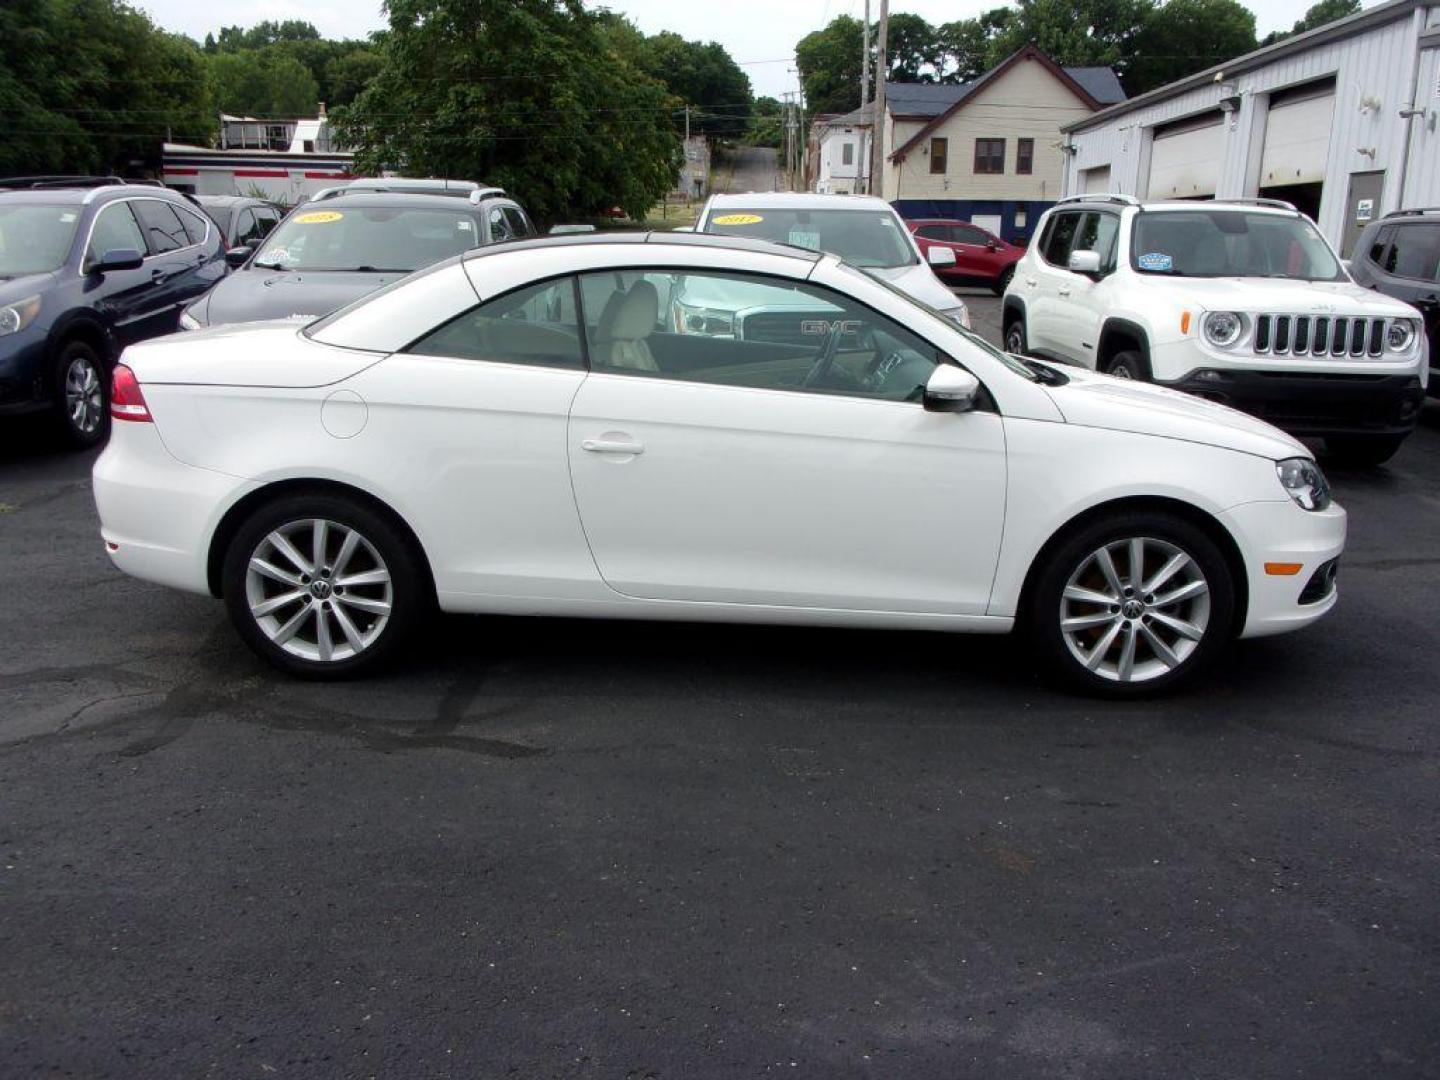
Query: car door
{"points": [[1411, 261], [127, 298], [201, 263], [1047, 284], [973, 256], [1081, 300], [801, 471], [173, 262]]}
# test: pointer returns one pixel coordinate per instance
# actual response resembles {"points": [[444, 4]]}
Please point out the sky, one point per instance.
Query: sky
{"points": [[760, 34]]}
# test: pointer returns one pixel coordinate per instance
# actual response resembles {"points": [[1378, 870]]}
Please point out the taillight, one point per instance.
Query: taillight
{"points": [[126, 400]]}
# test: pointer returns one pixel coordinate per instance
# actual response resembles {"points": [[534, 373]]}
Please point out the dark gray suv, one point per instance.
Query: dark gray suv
{"points": [[1399, 255]]}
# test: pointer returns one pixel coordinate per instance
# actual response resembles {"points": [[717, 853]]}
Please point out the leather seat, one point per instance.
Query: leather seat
{"points": [[623, 328]]}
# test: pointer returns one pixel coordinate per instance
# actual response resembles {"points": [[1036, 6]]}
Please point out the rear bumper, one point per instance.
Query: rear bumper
{"points": [[1282, 533], [157, 514], [1316, 404]]}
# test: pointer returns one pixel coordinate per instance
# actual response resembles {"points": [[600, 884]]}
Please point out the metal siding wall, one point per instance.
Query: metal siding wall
{"points": [[1375, 63], [1423, 182]]}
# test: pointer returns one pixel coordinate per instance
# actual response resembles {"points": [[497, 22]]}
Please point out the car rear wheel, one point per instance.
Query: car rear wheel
{"points": [[1015, 335], [82, 398], [1132, 605], [1362, 450], [322, 586], [1129, 364], [1003, 281]]}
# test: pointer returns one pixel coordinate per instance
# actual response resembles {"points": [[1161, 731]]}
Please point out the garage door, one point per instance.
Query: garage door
{"points": [[1297, 138], [1185, 159], [1095, 181]]}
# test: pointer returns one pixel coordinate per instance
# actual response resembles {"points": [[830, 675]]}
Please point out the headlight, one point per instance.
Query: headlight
{"points": [[703, 320], [1223, 328], [17, 316], [1304, 482], [959, 315], [190, 322], [1400, 335]]}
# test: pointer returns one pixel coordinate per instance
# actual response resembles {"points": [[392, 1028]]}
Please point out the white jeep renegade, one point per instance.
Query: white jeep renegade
{"points": [[1241, 302]]}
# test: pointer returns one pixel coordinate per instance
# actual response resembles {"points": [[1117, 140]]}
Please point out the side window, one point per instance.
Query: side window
{"points": [[499, 227], [1059, 238], [968, 234], [1381, 242], [245, 227], [114, 228], [163, 231], [194, 225], [266, 219], [536, 326], [519, 226], [934, 232], [1097, 232], [744, 330], [1416, 252]]}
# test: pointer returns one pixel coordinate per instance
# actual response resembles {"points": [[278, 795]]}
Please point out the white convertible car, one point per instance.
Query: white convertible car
{"points": [[522, 430]]}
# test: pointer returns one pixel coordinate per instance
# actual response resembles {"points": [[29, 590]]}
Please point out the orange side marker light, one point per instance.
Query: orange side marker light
{"points": [[1283, 569]]}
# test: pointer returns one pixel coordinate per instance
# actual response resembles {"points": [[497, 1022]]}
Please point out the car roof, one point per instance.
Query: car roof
{"points": [[1215, 204], [231, 200], [661, 240], [372, 200], [803, 200], [81, 196]]}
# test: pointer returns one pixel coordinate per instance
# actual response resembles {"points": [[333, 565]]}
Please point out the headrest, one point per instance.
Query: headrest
{"points": [[636, 315]]}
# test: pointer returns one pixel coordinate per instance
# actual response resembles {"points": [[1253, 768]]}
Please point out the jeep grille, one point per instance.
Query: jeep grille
{"points": [[1318, 335]]}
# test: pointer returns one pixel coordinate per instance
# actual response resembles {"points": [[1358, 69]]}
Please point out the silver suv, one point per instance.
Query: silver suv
{"points": [[1241, 301]]}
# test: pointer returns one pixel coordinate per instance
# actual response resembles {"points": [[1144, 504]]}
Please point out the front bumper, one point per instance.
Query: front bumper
{"points": [[1315, 403], [22, 372], [1277, 534]]}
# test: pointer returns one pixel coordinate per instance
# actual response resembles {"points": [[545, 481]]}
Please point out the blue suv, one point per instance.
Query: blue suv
{"points": [[88, 266]]}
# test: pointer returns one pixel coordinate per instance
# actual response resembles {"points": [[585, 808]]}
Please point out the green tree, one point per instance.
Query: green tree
{"points": [[765, 122], [348, 74], [262, 83], [967, 45], [913, 51], [1182, 37], [529, 94], [704, 77], [829, 63], [1074, 32], [1326, 11]]}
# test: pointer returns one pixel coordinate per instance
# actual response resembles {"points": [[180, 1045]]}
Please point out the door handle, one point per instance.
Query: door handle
{"points": [[156, 272], [612, 446], [1063, 292], [1030, 281]]}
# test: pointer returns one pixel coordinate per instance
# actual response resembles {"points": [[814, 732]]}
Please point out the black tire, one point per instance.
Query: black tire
{"points": [[81, 409], [1015, 338], [1129, 364], [1213, 613], [1362, 450], [407, 593], [1002, 282]]}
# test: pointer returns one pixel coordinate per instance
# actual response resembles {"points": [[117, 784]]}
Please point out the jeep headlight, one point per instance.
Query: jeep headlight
{"points": [[1400, 334], [1304, 482], [1223, 328], [15, 317]]}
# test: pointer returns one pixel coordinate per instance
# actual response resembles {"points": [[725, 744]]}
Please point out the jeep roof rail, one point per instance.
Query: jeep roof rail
{"points": [[1111, 197], [28, 183], [1414, 210], [1277, 204]]}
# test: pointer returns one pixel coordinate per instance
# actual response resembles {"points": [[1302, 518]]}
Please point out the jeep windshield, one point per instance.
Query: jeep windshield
{"points": [[35, 239], [870, 239], [1230, 243], [371, 239]]}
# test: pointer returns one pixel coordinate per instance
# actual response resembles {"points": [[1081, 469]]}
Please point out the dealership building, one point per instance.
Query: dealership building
{"points": [[1341, 121]]}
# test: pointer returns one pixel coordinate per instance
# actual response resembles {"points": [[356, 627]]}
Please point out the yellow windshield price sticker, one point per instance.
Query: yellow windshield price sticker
{"points": [[319, 217], [737, 219]]}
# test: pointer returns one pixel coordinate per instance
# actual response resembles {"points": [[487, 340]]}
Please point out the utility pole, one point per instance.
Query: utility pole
{"points": [[877, 133], [687, 123], [861, 157]]}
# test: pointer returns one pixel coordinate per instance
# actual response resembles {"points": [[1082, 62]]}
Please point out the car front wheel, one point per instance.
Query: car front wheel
{"points": [[1015, 336], [1133, 605], [322, 586]]}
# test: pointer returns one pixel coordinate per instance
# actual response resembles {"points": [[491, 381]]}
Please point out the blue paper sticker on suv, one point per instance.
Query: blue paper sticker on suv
{"points": [[1155, 260]]}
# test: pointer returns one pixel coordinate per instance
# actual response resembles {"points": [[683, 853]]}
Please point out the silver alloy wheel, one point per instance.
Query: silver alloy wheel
{"points": [[319, 590], [83, 398], [1139, 623]]}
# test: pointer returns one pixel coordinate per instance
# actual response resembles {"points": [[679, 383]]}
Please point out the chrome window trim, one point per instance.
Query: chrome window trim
{"points": [[90, 232]]}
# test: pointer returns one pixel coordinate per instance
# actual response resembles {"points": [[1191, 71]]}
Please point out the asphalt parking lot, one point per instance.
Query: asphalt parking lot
{"points": [[600, 849]]}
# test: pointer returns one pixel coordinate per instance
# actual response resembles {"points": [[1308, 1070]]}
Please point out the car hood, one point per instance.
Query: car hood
{"points": [[1284, 296], [1099, 401], [919, 281], [23, 287], [255, 295], [256, 354]]}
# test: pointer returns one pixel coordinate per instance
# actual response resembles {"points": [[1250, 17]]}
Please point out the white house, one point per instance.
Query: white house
{"points": [[986, 151], [1340, 121]]}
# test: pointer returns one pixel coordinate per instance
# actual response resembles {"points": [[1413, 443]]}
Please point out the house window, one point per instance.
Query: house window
{"points": [[1024, 156], [847, 154], [939, 149], [989, 155]]}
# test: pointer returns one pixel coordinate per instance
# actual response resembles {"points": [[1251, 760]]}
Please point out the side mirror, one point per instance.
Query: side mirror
{"points": [[950, 389], [991, 245], [1084, 262], [236, 256], [940, 256], [117, 259]]}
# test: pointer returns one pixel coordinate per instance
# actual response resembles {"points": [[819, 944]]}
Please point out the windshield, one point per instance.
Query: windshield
{"points": [[865, 238], [1230, 243], [367, 238], [35, 239]]}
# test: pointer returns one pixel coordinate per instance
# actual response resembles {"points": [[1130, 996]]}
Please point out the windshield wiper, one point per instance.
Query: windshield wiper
{"points": [[269, 266], [381, 270]]}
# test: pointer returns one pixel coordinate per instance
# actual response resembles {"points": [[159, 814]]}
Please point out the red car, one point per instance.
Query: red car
{"points": [[981, 258]]}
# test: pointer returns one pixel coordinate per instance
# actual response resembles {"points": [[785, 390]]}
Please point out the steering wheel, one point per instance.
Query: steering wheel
{"points": [[825, 360], [880, 370]]}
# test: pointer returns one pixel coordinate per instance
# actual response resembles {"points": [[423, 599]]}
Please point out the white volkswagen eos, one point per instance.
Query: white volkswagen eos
{"points": [[521, 430]]}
